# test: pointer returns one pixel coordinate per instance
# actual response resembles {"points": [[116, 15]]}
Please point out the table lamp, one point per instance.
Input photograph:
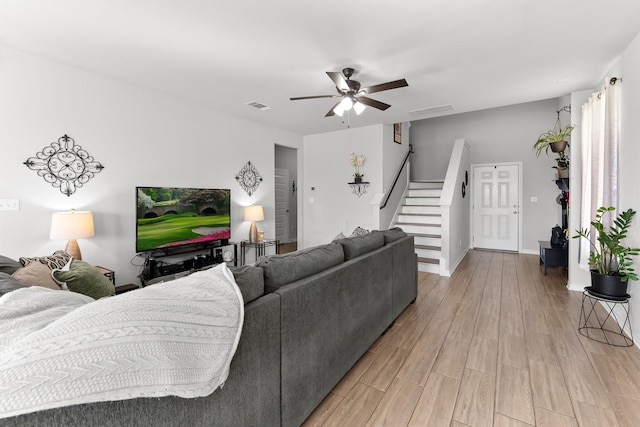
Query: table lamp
{"points": [[72, 225], [253, 213]]}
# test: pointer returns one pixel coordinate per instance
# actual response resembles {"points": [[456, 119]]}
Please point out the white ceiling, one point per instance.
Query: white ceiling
{"points": [[472, 54]]}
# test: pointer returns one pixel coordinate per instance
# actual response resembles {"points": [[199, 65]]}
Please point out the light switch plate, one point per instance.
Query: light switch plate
{"points": [[9, 204]]}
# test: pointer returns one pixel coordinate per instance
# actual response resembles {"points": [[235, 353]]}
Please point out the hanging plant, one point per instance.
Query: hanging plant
{"points": [[554, 139]]}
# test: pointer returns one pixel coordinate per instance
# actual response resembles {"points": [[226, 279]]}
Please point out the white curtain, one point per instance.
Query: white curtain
{"points": [[599, 147]]}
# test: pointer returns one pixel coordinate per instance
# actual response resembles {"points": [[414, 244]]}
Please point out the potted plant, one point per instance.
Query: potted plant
{"points": [[610, 261], [356, 162], [554, 139], [562, 165]]}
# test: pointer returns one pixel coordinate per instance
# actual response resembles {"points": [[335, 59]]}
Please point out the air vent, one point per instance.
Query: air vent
{"points": [[431, 110], [258, 105]]}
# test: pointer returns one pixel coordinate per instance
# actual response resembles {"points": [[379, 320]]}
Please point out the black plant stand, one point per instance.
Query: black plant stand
{"points": [[598, 331]]}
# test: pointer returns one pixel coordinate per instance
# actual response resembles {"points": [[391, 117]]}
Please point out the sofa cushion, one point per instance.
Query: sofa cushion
{"points": [[282, 269], [8, 265], [36, 274], [250, 280], [393, 234], [58, 260], [9, 283], [358, 245], [84, 278]]}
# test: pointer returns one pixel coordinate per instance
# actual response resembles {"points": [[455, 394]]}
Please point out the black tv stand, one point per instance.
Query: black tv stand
{"points": [[172, 261]]}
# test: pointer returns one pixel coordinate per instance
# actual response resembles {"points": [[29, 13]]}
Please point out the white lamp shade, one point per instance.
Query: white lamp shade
{"points": [[343, 106], [346, 103], [254, 213], [358, 108], [72, 225]]}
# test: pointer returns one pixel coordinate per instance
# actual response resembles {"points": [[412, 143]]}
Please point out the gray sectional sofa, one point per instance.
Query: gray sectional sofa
{"points": [[309, 316]]}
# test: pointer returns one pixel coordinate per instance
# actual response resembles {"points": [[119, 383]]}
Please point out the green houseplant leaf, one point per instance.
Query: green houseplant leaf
{"points": [[609, 256]]}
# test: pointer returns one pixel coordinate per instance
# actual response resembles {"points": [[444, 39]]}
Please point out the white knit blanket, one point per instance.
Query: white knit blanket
{"points": [[60, 348]]}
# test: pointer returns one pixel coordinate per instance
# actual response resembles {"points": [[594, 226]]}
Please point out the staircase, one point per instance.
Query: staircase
{"points": [[420, 216]]}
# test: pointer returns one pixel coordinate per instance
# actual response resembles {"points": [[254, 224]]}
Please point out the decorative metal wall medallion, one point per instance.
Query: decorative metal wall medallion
{"points": [[64, 165], [249, 178]]}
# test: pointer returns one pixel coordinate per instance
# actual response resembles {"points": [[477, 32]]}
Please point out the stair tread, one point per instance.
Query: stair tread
{"points": [[428, 248], [428, 260], [436, 236], [418, 214]]}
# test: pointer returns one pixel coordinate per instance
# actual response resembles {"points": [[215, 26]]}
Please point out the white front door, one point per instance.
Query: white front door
{"points": [[496, 210], [282, 205]]}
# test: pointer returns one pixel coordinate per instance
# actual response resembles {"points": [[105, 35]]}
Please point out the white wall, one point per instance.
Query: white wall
{"points": [[329, 205], [503, 134], [393, 155], [456, 209], [628, 68], [141, 137]]}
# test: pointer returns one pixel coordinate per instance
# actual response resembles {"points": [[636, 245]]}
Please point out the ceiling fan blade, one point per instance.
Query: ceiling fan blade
{"points": [[372, 103], [312, 97], [331, 112], [339, 80], [385, 86]]}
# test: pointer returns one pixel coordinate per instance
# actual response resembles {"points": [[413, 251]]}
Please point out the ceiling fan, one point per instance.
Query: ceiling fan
{"points": [[352, 94]]}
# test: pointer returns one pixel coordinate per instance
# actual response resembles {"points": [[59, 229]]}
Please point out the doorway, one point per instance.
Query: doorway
{"points": [[496, 206], [286, 201]]}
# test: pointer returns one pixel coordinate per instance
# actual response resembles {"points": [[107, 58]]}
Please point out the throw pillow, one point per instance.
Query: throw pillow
{"points": [[8, 265], [36, 274], [359, 231], [339, 236], [9, 283], [84, 278], [58, 260]]}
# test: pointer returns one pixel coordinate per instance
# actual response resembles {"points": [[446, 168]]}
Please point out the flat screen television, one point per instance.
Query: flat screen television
{"points": [[168, 217]]}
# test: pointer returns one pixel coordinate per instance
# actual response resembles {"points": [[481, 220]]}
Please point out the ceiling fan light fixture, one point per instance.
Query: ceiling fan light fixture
{"points": [[352, 93], [346, 103]]}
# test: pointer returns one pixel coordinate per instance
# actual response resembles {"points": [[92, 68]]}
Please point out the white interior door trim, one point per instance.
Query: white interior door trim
{"points": [[470, 188]]}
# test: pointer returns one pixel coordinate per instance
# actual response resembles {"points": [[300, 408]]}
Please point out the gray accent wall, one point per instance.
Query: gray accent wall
{"points": [[504, 134]]}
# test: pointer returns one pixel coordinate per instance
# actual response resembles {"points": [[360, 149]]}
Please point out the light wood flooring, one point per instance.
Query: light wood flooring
{"points": [[496, 344]]}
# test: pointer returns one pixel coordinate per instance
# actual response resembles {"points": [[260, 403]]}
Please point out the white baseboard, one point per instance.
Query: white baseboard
{"points": [[531, 252], [572, 286], [448, 272]]}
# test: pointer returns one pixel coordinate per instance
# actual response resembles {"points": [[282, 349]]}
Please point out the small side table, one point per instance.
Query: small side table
{"points": [[259, 246], [551, 257], [110, 274], [598, 330]]}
